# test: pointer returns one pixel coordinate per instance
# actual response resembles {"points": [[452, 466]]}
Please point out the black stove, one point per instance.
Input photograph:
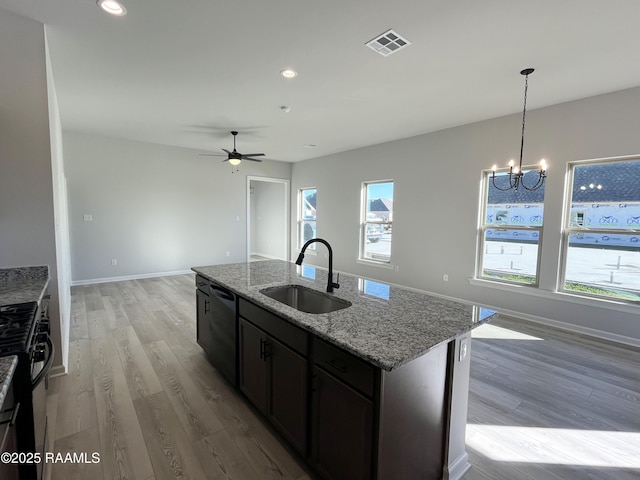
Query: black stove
{"points": [[24, 332], [16, 327]]}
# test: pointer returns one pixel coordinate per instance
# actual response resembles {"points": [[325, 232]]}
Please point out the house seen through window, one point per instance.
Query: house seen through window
{"points": [[510, 231], [376, 225], [307, 216], [601, 238]]}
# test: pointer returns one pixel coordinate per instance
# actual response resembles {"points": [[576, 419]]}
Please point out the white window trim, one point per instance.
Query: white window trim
{"points": [[567, 230], [362, 259], [483, 227]]}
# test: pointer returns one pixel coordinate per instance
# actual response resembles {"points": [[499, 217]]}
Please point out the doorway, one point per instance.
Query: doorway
{"points": [[267, 218]]}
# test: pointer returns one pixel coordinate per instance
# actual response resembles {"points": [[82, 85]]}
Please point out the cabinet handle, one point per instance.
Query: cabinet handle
{"points": [[336, 365], [264, 350], [207, 306]]}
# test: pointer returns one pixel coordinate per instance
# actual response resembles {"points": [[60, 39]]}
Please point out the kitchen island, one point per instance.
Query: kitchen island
{"points": [[375, 390]]}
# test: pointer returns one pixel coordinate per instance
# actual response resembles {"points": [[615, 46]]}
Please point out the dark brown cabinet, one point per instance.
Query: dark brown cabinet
{"points": [[272, 374], [342, 441], [203, 320], [253, 365], [350, 419]]}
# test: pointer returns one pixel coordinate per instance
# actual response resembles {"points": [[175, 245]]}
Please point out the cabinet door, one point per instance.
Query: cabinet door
{"points": [[341, 446], [288, 400], [253, 364], [203, 321]]}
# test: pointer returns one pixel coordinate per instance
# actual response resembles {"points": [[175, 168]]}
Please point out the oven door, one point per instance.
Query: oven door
{"points": [[40, 367]]}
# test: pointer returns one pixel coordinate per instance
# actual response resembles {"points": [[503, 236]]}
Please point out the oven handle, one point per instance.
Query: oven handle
{"points": [[47, 366]]}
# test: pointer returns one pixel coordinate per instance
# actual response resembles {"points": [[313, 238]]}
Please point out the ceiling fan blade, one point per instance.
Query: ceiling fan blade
{"points": [[211, 155], [252, 155], [252, 159], [225, 150]]}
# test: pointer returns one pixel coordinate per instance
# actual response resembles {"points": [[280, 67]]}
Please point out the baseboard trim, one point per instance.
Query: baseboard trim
{"points": [[92, 281], [573, 328], [266, 255], [57, 371], [456, 469]]}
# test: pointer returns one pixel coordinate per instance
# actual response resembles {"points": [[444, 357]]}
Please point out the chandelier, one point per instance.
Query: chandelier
{"points": [[516, 175]]}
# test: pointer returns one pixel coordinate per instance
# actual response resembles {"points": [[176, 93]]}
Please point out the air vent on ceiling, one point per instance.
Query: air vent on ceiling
{"points": [[387, 43]]}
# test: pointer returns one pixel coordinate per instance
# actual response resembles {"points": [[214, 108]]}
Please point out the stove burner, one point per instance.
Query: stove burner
{"points": [[15, 327]]}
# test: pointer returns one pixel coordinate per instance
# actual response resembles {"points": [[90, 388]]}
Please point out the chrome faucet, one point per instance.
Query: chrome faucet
{"points": [[330, 284]]}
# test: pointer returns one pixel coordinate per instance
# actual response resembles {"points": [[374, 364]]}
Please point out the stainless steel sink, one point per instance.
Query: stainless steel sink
{"points": [[305, 299]]}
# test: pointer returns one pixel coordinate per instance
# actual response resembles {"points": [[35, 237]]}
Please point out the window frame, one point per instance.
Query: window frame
{"points": [[568, 229], [483, 227], [301, 220], [364, 222]]}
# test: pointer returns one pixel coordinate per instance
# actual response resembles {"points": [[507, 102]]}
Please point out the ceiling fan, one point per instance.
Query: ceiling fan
{"points": [[235, 157]]}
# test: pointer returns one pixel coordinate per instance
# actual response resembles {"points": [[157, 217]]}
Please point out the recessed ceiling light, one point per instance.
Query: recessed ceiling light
{"points": [[310, 145], [288, 73], [112, 7]]}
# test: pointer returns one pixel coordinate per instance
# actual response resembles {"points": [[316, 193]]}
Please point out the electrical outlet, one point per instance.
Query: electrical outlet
{"points": [[88, 217], [463, 350], [445, 277], [114, 262]]}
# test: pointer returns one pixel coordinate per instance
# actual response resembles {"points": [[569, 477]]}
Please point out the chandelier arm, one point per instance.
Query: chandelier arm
{"points": [[511, 186], [536, 185]]}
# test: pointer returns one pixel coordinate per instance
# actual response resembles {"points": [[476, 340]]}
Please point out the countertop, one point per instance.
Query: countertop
{"points": [[23, 284], [7, 367], [387, 330]]}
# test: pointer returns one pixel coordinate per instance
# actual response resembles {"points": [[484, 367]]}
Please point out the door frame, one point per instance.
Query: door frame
{"points": [[286, 212]]}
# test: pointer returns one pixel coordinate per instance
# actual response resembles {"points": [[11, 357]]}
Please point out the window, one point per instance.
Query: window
{"points": [[601, 237], [307, 216], [376, 221], [510, 231]]}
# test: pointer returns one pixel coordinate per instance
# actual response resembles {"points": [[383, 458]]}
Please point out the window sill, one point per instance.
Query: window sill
{"points": [[373, 263], [557, 295]]}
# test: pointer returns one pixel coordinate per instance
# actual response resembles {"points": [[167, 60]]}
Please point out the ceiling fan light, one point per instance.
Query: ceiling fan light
{"points": [[112, 7], [234, 161]]}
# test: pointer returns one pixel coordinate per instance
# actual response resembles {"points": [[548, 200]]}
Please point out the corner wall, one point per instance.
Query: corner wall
{"points": [[27, 226], [436, 200], [155, 209]]}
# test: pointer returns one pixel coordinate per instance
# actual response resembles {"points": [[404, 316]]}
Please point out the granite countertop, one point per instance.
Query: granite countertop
{"points": [[23, 284], [388, 330], [7, 367]]}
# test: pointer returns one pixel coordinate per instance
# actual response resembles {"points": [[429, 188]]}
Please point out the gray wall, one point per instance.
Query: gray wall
{"points": [[268, 219], [436, 196], [156, 209], [27, 226]]}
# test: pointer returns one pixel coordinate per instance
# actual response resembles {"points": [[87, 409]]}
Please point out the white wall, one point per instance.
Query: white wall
{"points": [[27, 226], [436, 195], [268, 219], [155, 208], [61, 219]]}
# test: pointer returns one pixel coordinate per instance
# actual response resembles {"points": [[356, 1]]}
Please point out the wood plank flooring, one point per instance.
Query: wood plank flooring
{"points": [[543, 404], [548, 404]]}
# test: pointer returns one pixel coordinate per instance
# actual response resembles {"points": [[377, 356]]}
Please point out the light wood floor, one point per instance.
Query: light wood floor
{"points": [[548, 404], [142, 394]]}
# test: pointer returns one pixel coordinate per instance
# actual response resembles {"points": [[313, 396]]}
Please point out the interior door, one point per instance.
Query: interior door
{"points": [[267, 218]]}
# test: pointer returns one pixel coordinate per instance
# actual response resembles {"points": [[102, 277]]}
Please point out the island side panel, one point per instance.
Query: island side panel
{"points": [[456, 460], [412, 418]]}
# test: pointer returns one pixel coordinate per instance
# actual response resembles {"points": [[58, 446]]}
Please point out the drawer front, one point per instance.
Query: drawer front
{"points": [[292, 336], [345, 366], [202, 284]]}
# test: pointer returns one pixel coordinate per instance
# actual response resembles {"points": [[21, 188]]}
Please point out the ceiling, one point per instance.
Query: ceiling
{"points": [[186, 73]]}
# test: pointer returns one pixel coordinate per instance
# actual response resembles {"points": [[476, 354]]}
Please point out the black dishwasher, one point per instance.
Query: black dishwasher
{"points": [[217, 327]]}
